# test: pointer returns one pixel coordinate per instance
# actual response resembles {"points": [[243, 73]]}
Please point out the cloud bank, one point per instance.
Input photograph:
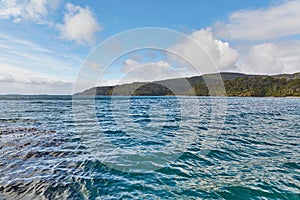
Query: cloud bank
{"points": [[23, 81], [261, 24], [270, 58]]}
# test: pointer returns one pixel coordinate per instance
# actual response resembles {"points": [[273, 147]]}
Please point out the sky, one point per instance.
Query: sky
{"points": [[45, 44]]}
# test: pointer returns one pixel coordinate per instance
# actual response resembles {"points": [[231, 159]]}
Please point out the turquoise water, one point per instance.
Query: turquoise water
{"points": [[149, 148]]}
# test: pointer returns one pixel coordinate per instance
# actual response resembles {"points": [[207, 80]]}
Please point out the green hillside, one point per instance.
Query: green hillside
{"points": [[235, 84]]}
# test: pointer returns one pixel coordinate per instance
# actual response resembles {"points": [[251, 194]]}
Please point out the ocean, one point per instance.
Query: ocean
{"points": [[59, 147]]}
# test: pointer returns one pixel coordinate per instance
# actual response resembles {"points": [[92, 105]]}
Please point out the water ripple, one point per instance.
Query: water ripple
{"points": [[46, 155]]}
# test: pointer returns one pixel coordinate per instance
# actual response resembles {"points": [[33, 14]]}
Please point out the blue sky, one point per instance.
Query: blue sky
{"points": [[43, 44]]}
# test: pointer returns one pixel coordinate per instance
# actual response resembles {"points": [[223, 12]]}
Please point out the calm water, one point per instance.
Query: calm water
{"points": [[149, 148]]}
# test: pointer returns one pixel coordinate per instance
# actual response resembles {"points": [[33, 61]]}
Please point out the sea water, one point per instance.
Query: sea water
{"points": [[59, 147]]}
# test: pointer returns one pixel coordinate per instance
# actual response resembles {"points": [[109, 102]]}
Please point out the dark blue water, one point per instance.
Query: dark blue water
{"points": [[149, 148]]}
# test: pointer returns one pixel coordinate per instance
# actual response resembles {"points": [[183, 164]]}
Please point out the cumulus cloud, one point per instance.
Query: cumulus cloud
{"points": [[273, 22], [214, 51], [270, 58], [36, 10], [80, 25], [202, 50], [135, 71]]}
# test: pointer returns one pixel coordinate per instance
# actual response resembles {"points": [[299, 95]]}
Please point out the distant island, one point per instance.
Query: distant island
{"points": [[236, 84]]}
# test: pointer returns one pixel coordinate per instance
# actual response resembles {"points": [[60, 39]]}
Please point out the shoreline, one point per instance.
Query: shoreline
{"points": [[79, 95]]}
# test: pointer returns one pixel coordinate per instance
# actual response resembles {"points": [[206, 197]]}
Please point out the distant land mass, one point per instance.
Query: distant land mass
{"points": [[235, 84]]}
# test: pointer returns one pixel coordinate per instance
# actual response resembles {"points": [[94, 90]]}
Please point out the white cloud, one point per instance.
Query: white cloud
{"points": [[17, 74], [5, 77], [220, 52], [21, 88], [35, 10], [175, 66], [23, 81], [79, 25], [93, 65], [135, 71], [10, 9], [270, 58], [261, 24], [130, 65]]}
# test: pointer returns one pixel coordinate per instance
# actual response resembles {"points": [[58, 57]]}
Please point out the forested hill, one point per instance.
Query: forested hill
{"points": [[236, 84]]}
